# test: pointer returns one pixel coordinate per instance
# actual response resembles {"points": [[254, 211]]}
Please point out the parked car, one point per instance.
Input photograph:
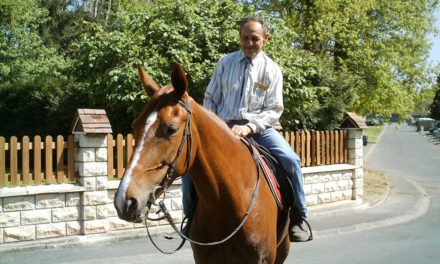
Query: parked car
{"points": [[370, 122], [435, 129], [374, 122], [365, 139], [424, 123]]}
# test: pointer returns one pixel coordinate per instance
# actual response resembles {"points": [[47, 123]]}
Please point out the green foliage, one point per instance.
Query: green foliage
{"points": [[64, 23], [380, 44], [48, 110], [33, 78], [435, 106], [58, 55], [23, 56], [315, 97], [195, 35]]}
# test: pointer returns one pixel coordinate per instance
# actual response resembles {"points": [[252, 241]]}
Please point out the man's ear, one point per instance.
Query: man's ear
{"points": [[178, 79], [150, 86], [266, 37]]}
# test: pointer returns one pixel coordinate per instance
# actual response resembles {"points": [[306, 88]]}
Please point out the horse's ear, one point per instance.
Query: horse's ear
{"points": [[178, 79], [150, 86]]}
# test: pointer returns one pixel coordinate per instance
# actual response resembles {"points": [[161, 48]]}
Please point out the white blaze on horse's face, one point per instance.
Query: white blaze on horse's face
{"points": [[120, 201], [156, 131]]}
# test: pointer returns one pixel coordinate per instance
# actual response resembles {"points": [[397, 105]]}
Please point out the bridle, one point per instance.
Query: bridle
{"points": [[164, 186]]}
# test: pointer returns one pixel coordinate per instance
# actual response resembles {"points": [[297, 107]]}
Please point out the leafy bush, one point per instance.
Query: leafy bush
{"points": [[196, 35]]}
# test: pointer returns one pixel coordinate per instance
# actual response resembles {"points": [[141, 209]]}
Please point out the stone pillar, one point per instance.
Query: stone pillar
{"points": [[355, 147], [91, 164], [356, 158]]}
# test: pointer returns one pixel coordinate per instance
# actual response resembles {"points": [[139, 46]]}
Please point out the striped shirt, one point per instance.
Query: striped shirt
{"points": [[261, 103]]}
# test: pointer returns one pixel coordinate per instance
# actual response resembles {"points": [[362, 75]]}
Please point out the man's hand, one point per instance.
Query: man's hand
{"points": [[241, 131]]}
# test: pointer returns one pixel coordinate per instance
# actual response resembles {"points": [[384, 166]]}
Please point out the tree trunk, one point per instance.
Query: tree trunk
{"points": [[91, 7], [339, 54], [96, 8], [109, 5]]}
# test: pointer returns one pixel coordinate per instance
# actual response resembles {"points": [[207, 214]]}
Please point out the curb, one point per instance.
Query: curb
{"points": [[81, 241], [420, 209]]}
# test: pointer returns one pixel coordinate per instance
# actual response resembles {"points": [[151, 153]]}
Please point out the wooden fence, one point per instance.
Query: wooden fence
{"points": [[319, 147], [119, 152], [53, 162], [313, 147], [37, 162]]}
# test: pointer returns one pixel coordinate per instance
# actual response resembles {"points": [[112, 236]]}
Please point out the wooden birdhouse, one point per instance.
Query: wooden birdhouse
{"points": [[351, 120], [91, 121]]}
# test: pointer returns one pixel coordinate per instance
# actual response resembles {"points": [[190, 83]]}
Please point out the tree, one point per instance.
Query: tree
{"points": [[64, 23], [194, 35], [197, 34], [32, 75], [435, 106], [23, 55], [335, 55], [381, 44]]}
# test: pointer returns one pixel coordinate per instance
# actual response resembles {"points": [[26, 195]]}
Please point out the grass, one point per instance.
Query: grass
{"points": [[373, 132], [375, 185]]}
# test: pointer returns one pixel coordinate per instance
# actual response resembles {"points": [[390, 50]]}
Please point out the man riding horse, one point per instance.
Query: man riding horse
{"points": [[246, 92]]}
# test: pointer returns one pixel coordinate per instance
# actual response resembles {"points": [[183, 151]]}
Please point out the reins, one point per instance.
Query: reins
{"points": [[164, 186]]}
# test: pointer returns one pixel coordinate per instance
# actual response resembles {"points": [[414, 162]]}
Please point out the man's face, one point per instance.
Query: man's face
{"points": [[252, 38]]}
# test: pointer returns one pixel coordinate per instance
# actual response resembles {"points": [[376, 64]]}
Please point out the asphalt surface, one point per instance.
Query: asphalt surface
{"points": [[406, 200], [399, 234]]}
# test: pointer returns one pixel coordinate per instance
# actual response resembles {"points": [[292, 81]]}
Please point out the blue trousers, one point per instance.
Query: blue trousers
{"points": [[278, 146]]}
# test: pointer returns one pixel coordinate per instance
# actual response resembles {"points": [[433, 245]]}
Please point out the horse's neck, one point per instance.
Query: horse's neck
{"points": [[222, 165]]}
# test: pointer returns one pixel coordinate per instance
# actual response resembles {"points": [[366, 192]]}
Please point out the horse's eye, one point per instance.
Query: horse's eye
{"points": [[170, 130]]}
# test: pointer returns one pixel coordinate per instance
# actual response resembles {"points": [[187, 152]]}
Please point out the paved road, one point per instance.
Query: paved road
{"points": [[404, 154], [404, 228]]}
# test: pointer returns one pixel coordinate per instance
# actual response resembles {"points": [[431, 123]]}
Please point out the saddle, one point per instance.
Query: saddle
{"points": [[279, 183]]}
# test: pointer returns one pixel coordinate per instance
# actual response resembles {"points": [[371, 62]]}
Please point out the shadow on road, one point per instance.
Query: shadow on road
{"points": [[433, 138]]}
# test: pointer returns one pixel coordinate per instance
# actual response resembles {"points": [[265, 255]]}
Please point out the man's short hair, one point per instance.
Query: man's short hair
{"points": [[254, 19]]}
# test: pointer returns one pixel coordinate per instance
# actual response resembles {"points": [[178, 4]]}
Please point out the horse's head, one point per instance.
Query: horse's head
{"points": [[159, 133]]}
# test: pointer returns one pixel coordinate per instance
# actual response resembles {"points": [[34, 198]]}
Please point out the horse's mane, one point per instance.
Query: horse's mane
{"points": [[215, 119]]}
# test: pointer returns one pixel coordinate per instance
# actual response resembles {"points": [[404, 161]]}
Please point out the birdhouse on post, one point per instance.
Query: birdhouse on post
{"points": [[351, 120], [91, 121], [91, 127], [354, 125]]}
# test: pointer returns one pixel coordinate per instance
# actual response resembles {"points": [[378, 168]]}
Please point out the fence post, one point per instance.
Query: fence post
{"points": [[354, 125], [356, 158], [90, 128]]}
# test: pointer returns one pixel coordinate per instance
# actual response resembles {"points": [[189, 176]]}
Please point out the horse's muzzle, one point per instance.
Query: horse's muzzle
{"points": [[132, 211]]}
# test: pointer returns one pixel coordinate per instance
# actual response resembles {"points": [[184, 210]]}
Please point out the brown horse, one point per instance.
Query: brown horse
{"points": [[223, 172]]}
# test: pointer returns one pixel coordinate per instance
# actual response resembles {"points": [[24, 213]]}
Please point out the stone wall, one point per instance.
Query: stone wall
{"points": [[328, 184], [39, 212], [62, 210]]}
